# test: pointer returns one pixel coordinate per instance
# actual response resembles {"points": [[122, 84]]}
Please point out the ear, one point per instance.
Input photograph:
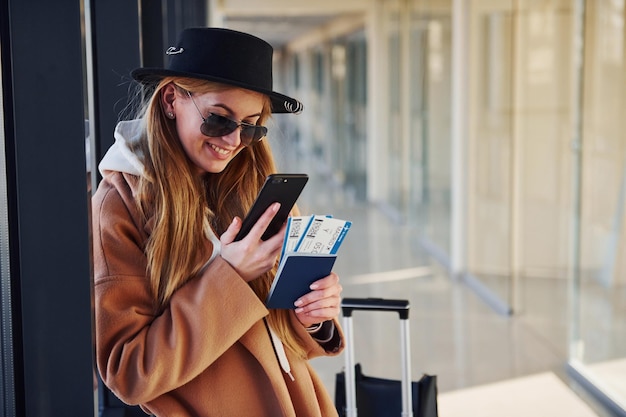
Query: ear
{"points": [[168, 97]]}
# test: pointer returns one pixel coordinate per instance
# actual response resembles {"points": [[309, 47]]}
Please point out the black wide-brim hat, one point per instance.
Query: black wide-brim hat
{"points": [[225, 56]]}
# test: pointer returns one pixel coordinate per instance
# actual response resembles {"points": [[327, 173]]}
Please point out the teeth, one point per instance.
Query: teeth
{"points": [[221, 151]]}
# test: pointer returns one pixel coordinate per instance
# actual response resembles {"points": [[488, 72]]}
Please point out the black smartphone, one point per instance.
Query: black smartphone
{"points": [[282, 188]]}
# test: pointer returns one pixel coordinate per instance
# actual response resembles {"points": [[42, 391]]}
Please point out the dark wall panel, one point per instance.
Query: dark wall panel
{"points": [[44, 112], [116, 52]]}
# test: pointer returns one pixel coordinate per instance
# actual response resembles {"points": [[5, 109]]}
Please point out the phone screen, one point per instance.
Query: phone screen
{"points": [[282, 188]]}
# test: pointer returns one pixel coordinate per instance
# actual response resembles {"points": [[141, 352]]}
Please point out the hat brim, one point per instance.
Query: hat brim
{"points": [[280, 102]]}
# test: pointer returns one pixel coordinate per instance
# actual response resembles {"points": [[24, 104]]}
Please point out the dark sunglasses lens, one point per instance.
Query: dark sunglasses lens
{"points": [[251, 134], [216, 125]]}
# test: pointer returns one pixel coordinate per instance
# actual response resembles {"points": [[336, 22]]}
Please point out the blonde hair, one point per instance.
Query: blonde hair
{"points": [[181, 203]]}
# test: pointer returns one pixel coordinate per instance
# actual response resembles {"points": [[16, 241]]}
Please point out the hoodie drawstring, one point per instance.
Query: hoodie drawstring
{"points": [[279, 349]]}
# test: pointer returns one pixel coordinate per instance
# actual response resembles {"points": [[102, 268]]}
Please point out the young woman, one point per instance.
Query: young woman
{"points": [[181, 327]]}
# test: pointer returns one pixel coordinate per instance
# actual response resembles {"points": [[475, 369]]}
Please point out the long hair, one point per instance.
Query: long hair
{"points": [[183, 204]]}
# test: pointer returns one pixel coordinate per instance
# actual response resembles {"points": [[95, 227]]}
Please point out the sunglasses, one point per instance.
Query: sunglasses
{"points": [[215, 125]]}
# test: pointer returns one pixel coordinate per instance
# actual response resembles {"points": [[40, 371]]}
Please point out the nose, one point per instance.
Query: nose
{"points": [[234, 137]]}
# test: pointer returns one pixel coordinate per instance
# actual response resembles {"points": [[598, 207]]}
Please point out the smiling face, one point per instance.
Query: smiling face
{"points": [[211, 154]]}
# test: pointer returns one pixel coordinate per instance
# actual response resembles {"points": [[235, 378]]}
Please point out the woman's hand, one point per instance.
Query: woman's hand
{"points": [[252, 256], [322, 303]]}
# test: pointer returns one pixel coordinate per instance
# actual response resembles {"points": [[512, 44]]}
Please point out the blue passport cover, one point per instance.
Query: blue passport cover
{"points": [[296, 272]]}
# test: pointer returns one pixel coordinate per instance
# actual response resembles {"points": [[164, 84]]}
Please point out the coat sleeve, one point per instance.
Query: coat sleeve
{"points": [[332, 347], [141, 355]]}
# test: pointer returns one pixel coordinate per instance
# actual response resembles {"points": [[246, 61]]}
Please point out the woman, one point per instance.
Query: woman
{"points": [[181, 328]]}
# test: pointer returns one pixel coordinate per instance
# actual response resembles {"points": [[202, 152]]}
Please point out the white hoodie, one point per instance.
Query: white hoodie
{"points": [[121, 158]]}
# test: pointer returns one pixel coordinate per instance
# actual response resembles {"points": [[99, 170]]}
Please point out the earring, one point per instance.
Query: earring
{"points": [[171, 115]]}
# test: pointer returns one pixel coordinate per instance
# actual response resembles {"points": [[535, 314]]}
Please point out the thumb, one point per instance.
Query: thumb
{"points": [[229, 235]]}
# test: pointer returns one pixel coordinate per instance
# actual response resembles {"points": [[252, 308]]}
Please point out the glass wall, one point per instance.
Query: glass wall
{"points": [[396, 139], [331, 78], [599, 280], [527, 172], [489, 182], [417, 66], [430, 66], [520, 155], [348, 57]]}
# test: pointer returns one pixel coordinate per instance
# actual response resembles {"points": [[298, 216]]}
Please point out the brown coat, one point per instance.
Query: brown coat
{"points": [[209, 353]]}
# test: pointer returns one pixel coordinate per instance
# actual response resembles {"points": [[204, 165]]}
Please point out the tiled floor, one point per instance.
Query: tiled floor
{"points": [[454, 334]]}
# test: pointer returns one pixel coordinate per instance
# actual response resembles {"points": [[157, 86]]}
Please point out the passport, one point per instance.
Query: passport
{"points": [[296, 272]]}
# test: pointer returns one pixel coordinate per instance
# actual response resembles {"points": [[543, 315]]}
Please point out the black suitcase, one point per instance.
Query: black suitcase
{"points": [[378, 397]]}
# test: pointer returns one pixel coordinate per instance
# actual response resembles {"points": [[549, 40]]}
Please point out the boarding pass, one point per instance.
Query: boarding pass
{"points": [[315, 234]]}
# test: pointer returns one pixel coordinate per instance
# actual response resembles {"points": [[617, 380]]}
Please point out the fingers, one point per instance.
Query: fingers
{"points": [[261, 225], [251, 256], [278, 238], [322, 303], [229, 235], [329, 281]]}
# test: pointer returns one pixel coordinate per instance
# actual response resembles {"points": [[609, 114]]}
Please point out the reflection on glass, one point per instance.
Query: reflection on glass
{"points": [[396, 142], [491, 140], [600, 292], [429, 128]]}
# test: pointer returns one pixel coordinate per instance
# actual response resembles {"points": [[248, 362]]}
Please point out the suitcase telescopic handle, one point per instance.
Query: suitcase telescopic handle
{"points": [[348, 305]]}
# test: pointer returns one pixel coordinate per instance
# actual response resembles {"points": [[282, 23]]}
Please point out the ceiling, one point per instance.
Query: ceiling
{"points": [[285, 21], [278, 30]]}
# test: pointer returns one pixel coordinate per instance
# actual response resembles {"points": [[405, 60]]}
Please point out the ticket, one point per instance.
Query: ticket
{"points": [[295, 227], [323, 235]]}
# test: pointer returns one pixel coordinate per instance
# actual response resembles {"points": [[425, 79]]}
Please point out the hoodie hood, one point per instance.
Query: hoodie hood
{"points": [[120, 157]]}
